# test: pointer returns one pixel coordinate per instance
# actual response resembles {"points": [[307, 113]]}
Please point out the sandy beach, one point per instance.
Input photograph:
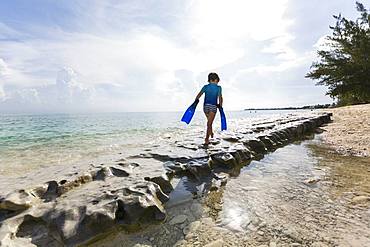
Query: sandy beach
{"points": [[349, 133]]}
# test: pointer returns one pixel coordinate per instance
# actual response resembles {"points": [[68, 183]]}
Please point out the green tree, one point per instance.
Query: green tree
{"points": [[344, 62]]}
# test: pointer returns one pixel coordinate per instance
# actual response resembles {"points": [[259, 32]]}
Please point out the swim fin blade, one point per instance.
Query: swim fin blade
{"points": [[223, 119], [189, 113]]}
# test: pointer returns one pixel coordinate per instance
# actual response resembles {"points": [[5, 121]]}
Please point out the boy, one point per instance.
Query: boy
{"points": [[213, 93]]}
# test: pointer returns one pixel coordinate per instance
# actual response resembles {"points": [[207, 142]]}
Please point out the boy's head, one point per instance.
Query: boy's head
{"points": [[213, 77]]}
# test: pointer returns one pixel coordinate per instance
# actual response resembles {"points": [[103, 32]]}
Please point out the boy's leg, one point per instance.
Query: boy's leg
{"points": [[210, 118], [207, 116]]}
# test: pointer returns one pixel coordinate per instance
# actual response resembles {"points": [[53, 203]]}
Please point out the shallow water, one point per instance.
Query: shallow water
{"points": [[251, 193], [300, 195], [29, 141], [303, 192]]}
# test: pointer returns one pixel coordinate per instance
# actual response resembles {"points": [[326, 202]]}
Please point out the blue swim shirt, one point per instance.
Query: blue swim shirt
{"points": [[212, 91]]}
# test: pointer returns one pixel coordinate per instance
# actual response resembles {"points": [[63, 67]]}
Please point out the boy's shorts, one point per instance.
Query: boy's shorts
{"points": [[207, 108]]}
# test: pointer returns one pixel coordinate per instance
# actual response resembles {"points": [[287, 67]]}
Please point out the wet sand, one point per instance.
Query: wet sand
{"points": [[349, 133]]}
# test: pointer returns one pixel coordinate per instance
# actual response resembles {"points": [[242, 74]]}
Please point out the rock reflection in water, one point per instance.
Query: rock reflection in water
{"points": [[186, 189]]}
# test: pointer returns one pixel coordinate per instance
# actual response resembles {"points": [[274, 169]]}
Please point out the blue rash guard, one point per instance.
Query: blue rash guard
{"points": [[212, 91]]}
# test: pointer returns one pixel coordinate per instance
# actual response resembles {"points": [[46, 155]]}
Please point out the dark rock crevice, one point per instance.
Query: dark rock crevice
{"points": [[77, 209]]}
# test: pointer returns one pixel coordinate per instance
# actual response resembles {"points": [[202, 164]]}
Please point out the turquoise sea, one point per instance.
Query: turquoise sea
{"points": [[28, 141]]}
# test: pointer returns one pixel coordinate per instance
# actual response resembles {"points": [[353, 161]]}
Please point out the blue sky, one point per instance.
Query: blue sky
{"points": [[146, 55]]}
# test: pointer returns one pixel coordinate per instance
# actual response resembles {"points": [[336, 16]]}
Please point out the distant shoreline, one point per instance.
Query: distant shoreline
{"points": [[310, 107]]}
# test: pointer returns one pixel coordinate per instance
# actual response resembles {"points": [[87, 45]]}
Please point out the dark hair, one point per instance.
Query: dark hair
{"points": [[213, 77]]}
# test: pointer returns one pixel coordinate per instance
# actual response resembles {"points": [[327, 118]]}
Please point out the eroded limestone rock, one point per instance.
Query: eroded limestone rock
{"points": [[78, 206], [83, 213]]}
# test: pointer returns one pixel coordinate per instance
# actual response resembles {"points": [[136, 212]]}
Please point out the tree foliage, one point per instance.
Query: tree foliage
{"points": [[344, 63]]}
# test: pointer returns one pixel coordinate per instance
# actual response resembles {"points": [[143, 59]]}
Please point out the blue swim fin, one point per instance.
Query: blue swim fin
{"points": [[223, 119], [189, 113]]}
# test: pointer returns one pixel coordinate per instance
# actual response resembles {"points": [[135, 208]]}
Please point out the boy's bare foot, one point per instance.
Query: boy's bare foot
{"points": [[206, 142], [205, 146]]}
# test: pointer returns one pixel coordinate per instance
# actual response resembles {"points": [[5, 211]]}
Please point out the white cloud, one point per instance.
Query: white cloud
{"points": [[4, 71], [2, 93], [116, 56], [64, 95], [6, 32]]}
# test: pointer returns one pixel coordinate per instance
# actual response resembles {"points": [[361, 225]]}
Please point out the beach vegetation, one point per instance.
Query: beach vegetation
{"points": [[343, 64]]}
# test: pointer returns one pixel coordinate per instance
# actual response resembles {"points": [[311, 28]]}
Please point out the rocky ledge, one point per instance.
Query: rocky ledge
{"points": [[79, 205]]}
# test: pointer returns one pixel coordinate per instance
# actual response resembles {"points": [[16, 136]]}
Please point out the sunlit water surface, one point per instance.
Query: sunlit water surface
{"points": [[28, 141]]}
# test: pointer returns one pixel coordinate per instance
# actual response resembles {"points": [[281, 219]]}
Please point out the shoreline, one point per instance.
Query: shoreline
{"points": [[130, 193], [321, 202], [349, 131]]}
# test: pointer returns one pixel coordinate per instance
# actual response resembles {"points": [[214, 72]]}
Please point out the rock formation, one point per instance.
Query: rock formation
{"points": [[76, 207]]}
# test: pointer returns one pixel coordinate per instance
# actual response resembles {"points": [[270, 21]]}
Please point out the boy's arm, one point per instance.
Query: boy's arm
{"points": [[220, 100], [199, 95]]}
